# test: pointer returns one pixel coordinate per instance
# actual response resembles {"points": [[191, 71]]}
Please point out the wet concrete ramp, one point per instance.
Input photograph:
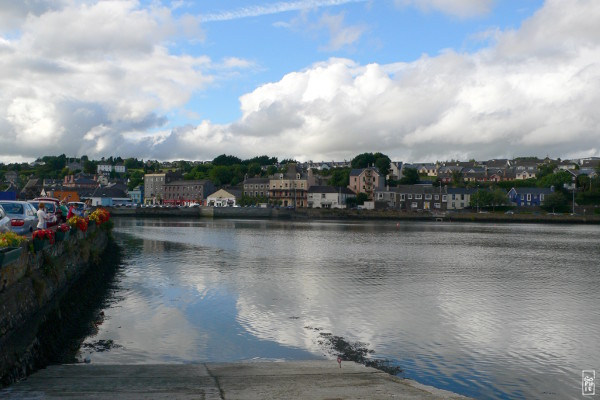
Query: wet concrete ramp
{"points": [[257, 380]]}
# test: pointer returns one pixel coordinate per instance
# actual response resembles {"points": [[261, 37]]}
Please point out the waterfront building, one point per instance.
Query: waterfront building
{"points": [[414, 197], [256, 187], [366, 180], [154, 186], [459, 198], [223, 198], [290, 188], [137, 194], [328, 197], [528, 196], [187, 192]]}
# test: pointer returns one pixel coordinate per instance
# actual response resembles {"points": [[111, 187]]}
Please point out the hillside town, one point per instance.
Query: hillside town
{"points": [[369, 181]]}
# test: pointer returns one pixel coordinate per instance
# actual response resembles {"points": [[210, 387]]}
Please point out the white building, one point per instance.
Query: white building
{"points": [[328, 196]]}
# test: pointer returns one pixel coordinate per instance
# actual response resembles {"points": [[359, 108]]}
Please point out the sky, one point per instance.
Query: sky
{"points": [[320, 80]]}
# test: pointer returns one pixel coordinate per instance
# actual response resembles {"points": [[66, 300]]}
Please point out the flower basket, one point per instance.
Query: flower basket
{"points": [[42, 239], [9, 255], [62, 236], [40, 244]]}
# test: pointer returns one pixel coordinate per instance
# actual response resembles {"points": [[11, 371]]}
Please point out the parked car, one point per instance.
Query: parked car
{"points": [[4, 221], [23, 217], [52, 210]]}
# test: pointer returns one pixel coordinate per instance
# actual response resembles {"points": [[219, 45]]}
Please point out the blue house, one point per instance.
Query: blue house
{"points": [[528, 196]]}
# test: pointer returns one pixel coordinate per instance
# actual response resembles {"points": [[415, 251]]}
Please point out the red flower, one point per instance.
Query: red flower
{"points": [[44, 234]]}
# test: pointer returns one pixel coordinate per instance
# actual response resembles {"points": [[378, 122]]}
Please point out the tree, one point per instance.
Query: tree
{"points": [[545, 170], [89, 167], [226, 160], [379, 160], [363, 160], [481, 198], [556, 202], [499, 198], [339, 177], [557, 179], [361, 198], [411, 176], [271, 170], [220, 175], [254, 169], [583, 181], [135, 179], [457, 178]]}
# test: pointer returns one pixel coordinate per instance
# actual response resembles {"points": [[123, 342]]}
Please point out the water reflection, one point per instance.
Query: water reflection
{"points": [[503, 311]]}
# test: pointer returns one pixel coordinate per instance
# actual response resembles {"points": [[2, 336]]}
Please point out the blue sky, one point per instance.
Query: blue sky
{"points": [[420, 80], [390, 34]]}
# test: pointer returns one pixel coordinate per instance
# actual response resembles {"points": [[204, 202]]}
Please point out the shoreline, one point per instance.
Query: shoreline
{"points": [[355, 215]]}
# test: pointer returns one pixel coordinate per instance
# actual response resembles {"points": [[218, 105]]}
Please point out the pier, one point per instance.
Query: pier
{"points": [[252, 380]]}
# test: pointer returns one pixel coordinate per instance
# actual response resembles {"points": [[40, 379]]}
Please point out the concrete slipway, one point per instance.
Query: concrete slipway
{"points": [[258, 380]]}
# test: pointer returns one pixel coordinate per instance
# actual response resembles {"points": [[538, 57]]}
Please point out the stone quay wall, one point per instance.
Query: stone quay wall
{"points": [[30, 290]]}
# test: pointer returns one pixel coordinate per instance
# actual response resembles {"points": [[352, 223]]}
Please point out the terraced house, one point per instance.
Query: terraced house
{"points": [[256, 187], [414, 197]]}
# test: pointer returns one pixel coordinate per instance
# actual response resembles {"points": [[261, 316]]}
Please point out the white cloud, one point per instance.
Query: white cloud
{"points": [[533, 91], [505, 100], [340, 35]]}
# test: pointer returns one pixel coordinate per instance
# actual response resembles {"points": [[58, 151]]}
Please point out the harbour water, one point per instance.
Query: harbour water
{"points": [[484, 310]]}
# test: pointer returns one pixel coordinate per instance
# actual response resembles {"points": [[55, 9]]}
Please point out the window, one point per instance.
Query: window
{"points": [[414, 204], [323, 195], [436, 197], [541, 197], [418, 196], [380, 195], [410, 196], [453, 196], [402, 196], [445, 198], [528, 196], [427, 197], [437, 205]]}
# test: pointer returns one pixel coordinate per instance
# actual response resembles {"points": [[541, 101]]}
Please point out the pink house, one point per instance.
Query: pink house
{"points": [[366, 180]]}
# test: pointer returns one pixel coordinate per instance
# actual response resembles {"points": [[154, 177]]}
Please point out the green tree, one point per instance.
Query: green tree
{"points": [[410, 176], [457, 179], [481, 198], [135, 179], [361, 198], [545, 170], [339, 177], [556, 202], [226, 160], [254, 169], [583, 181], [89, 167], [499, 198], [220, 175], [271, 170], [557, 179]]}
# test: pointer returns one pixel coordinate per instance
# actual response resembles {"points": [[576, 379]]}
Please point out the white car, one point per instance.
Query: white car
{"points": [[4, 221]]}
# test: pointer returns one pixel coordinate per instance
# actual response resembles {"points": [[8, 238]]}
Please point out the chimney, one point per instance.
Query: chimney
{"points": [[72, 178]]}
